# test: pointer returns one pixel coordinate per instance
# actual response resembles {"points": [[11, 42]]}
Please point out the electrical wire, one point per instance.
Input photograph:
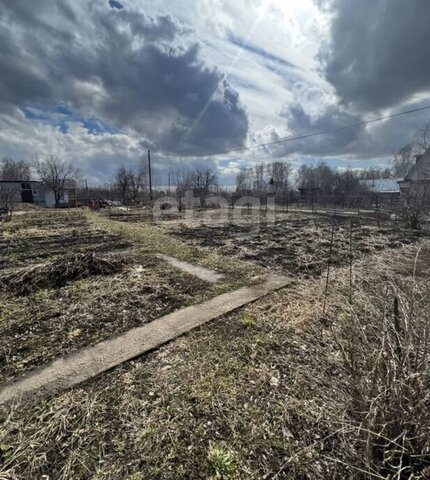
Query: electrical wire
{"points": [[313, 134]]}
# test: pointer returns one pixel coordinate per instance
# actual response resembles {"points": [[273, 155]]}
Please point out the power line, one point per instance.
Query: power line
{"points": [[313, 134]]}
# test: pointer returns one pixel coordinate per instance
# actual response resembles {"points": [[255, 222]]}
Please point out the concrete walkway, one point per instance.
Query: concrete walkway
{"points": [[199, 272], [89, 362]]}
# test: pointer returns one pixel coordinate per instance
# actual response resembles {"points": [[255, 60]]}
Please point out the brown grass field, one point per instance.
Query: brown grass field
{"points": [[327, 378]]}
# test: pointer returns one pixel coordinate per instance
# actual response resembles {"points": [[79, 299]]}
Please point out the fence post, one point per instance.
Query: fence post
{"points": [[350, 263], [328, 268]]}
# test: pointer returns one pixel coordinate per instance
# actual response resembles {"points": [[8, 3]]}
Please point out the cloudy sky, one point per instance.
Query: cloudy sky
{"points": [[98, 82]]}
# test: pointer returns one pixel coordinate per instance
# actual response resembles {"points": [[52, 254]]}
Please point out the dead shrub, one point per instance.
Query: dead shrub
{"points": [[60, 272], [385, 345]]}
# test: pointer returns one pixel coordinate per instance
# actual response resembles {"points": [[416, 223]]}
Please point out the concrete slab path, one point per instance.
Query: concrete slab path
{"points": [[89, 362], [199, 272]]}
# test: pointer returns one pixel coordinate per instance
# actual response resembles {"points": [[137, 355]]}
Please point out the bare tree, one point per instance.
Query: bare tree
{"points": [[241, 181], [8, 199], [373, 173], [131, 183], [123, 182], [403, 161], [203, 180], [200, 181], [245, 180], [55, 173], [416, 204], [182, 183], [279, 172], [11, 169], [140, 180], [423, 140], [257, 178]]}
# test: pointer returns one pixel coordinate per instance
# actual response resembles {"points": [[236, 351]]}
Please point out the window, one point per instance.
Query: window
{"points": [[35, 193]]}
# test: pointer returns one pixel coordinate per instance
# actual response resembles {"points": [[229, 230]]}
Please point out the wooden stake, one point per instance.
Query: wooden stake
{"points": [[328, 268]]}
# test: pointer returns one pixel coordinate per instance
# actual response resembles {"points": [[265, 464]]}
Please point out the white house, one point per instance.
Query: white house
{"points": [[35, 192]]}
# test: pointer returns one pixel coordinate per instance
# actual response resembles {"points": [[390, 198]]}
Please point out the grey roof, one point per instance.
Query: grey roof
{"points": [[382, 185]]}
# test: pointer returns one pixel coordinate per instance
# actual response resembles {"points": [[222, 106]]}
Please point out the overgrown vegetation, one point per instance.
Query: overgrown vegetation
{"points": [[65, 284], [155, 238], [297, 244], [61, 271], [384, 338], [297, 394]]}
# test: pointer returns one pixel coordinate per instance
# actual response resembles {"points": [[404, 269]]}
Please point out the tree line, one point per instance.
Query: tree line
{"points": [[131, 184]]}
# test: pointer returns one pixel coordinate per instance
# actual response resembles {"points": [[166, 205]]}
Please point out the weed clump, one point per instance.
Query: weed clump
{"points": [[247, 321], [60, 272], [221, 461]]}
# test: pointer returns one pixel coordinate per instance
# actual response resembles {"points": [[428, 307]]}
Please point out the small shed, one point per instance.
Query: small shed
{"points": [[35, 192]]}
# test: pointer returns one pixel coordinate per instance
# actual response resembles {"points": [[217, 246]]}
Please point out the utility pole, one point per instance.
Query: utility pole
{"points": [[169, 185], [150, 175]]}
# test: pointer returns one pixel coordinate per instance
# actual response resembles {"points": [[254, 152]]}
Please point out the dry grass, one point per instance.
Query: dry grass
{"points": [[74, 299], [228, 399], [384, 338], [61, 271], [275, 391], [155, 239], [296, 244]]}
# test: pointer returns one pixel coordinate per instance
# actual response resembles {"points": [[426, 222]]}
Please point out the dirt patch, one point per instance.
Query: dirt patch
{"points": [[299, 246], [65, 284], [59, 272], [46, 220], [88, 363], [17, 251], [141, 216], [41, 326]]}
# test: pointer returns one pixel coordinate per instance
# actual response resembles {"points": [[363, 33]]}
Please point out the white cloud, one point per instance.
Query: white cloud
{"points": [[141, 75]]}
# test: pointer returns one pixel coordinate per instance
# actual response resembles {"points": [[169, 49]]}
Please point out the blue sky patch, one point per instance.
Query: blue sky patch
{"points": [[249, 47], [115, 4], [59, 116]]}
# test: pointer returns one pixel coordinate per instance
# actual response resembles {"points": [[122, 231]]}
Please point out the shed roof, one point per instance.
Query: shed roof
{"points": [[382, 185]]}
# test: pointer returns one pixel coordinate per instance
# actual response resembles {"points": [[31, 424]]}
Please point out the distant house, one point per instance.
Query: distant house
{"points": [[38, 193], [383, 191], [418, 175], [382, 185]]}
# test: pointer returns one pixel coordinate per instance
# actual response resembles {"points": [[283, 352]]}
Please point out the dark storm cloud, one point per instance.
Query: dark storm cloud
{"points": [[378, 53], [122, 66], [329, 117], [208, 135], [313, 110], [375, 58], [376, 140]]}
